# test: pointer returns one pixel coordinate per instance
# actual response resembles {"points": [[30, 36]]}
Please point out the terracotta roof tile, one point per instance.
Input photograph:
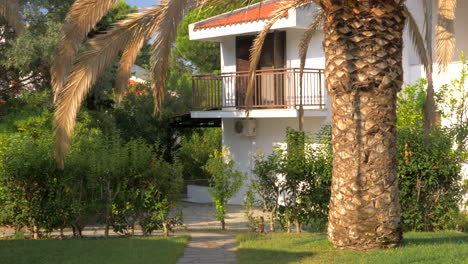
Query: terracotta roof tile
{"points": [[257, 12]]}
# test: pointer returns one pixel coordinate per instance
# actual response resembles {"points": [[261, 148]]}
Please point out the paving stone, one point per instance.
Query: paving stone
{"points": [[210, 248]]}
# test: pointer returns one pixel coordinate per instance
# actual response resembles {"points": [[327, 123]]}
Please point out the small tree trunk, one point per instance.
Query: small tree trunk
{"points": [[261, 228], [223, 224], [62, 236], [272, 221], [165, 229], [35, 231], [106, 231], [289, 226], [298, 227], [108, 217], [80, 231]]}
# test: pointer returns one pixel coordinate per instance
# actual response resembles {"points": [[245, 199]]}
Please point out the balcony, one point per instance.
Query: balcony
{"points": [[273, 89]]}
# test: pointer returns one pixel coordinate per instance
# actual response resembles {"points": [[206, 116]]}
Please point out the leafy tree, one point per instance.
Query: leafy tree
{"points": [[267, 186], [225, 182], [429, 174], [411, 105], [453, 106], [25, 58], [195, 152], [293, 183]]}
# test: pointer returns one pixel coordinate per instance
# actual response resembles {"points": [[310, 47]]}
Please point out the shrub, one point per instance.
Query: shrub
{"points": [[429, 176], [225, 182], [299, 176], [195, 152]]}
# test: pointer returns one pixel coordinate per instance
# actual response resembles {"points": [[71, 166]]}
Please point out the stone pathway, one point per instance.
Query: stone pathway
{"points": [[200, 217], [210, 248]]}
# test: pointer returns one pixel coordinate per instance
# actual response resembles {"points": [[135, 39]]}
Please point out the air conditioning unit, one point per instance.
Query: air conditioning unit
{"points": [[246, 127]]}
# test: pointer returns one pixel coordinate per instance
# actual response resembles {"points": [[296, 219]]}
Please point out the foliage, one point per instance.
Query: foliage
{"points": [[107, 179], [195, 152], [135, 119], [225, 182], [411, 104], [429, 178], [429, 174], [25, 59], [162, 197], [265, 185], [28, 182], [453, 106], [293, 183]]}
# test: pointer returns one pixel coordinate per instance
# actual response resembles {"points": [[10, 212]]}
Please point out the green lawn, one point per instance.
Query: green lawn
{"points": [[427, 248], [89, 251]]}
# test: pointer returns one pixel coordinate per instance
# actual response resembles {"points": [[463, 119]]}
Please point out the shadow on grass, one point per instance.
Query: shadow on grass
{"points": [[93, 250], [259, 256]]}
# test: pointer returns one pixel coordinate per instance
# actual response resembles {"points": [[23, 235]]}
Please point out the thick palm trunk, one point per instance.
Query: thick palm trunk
{"points": [[363, 46]]}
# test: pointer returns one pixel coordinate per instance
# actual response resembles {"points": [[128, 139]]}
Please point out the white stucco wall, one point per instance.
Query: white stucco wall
{"points": [[315, 53], [270, 132], [461, 23]]}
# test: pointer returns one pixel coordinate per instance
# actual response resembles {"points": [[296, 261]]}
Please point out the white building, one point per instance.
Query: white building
{"points": [[277, 96]]}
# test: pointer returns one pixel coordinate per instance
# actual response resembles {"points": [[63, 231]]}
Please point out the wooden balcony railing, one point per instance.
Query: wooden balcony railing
{"points": [[275, 89]]}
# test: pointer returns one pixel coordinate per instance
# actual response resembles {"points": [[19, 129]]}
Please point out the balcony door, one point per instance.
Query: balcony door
{"points": [[269, 84]]}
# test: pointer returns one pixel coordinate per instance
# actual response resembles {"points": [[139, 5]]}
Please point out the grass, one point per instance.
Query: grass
{"points": [[100, 251], [427, 248]]}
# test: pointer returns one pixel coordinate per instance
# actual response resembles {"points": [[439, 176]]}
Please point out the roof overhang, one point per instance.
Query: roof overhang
{"points": [[250, 20]]}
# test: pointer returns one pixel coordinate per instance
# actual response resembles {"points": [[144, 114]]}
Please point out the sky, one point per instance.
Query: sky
{"points": [[142, 3]]}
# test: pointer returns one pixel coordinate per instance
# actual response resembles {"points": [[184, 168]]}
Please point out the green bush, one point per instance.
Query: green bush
{"points": [[429, 166], [429, 175], [225, 182], [106, 179], [301, 176], [195, 152]]}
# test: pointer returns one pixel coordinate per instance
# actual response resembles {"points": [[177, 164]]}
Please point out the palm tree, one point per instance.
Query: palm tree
{"points": [[363, 46]]}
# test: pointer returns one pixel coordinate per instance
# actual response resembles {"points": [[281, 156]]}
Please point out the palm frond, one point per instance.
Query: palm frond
{"points": [[417, 39], [10, 10], [124, 72], [303, 49], [172, 13], [306, 38], [445, 32], [100, 52], [80, 20], [430, 109], [256, 50]]}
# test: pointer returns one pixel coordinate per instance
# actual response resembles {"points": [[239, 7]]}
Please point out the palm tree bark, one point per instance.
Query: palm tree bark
{"points": [[363, 46]]}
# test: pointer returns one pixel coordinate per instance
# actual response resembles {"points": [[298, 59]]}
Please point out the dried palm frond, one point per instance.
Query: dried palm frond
{"points": [[100, 52], [172, 13], [124, 72], [80, 20], [303, 49], [10, 10], [445, 32], [417, 39], [430, 109], [256, 50]]}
